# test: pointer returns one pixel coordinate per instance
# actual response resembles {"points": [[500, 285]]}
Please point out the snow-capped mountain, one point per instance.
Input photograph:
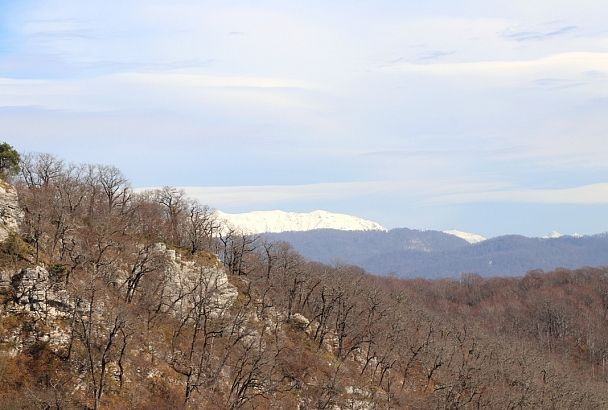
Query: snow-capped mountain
{"points": [[467, 236], [281, 221], [556, 235], [553, 235]]}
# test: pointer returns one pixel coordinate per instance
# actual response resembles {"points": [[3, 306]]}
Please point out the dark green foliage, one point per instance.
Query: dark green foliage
{"points": [[9, 160]]}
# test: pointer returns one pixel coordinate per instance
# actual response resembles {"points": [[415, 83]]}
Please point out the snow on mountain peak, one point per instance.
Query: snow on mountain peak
{"points": [[467, 236], [557, 235], [281, 221], [553, 235]]}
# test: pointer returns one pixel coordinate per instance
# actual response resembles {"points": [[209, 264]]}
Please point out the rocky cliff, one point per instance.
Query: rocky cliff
{"points": [[38, 292], [11, 214]]}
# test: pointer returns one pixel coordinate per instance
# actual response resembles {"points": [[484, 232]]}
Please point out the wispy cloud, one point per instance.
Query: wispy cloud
{"points": [[209, 81], [451, 189], [255, 196], [557, 83], [143, 90], [525, 35], [579, 62], [593, 194], [59, 28], [434, 55], [448, 193]]}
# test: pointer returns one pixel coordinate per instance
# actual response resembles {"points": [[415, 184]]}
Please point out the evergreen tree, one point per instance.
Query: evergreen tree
{"points": [[9, 160]]}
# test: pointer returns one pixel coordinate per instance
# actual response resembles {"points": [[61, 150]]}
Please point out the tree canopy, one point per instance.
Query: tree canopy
{"points": [[9, 160]]}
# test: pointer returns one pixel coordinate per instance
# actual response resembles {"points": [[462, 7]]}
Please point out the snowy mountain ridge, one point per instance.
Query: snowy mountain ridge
{"points": [[280, 221], [553, 235], [467, 236], [556, 235]]}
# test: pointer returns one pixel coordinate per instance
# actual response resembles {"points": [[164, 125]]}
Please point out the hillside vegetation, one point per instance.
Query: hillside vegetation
{"points": [[410, 253], [116, 300]]}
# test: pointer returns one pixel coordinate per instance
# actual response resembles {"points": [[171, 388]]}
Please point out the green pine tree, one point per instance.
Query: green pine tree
{"points": [[9, 160]]}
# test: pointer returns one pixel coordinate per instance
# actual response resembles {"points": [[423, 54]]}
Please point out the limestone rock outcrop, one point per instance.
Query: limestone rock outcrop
{"points": [[300, 321], [185, 276], [11, 214], [35, 291]]}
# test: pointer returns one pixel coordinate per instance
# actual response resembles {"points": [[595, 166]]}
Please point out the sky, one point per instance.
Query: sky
{"points": [[483, 116]]}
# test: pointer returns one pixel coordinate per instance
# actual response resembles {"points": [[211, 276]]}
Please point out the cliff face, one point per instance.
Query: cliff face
{"points": [[34, 293], [11, 214], [187, 276]]}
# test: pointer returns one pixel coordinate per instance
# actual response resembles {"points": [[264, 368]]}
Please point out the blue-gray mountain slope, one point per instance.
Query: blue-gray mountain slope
{"points": [[433, 254]]}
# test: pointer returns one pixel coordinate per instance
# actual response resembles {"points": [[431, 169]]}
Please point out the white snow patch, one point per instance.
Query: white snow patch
{"points": [[281, 221], [467, 236], [553, 235]]}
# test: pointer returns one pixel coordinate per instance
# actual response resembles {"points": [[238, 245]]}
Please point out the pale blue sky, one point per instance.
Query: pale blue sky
{"points": [[487, 116]]}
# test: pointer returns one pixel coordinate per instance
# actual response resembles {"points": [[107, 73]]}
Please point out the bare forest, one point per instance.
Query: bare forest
{"points": [[116, 299]]}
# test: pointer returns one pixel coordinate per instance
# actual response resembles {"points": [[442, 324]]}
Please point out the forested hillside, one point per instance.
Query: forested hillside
{"points": [[118, 300], [410, 253]]}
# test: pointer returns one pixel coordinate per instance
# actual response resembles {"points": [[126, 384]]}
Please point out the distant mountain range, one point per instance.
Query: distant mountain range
{"points": [[432, 254], [338, 238]]}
